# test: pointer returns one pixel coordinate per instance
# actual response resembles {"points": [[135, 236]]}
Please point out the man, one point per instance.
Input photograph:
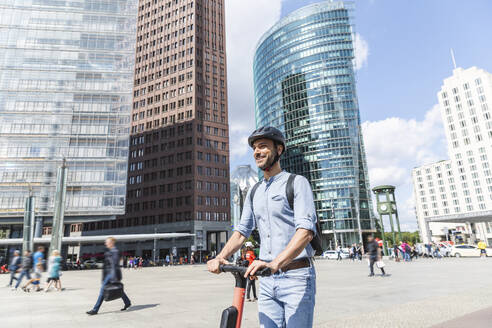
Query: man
{"points": [[26, 269], [38, 257], [250, 256], [482, 247], [111, 273], [14, 266], [339, 253], [287, 297], [374, 254]]}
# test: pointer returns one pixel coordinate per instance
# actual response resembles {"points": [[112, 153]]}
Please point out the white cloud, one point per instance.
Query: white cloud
{"points": [[246, 21], [395, 146], [361, 51]]}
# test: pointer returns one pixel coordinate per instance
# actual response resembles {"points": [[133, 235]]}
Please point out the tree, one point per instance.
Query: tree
{"points": [[410, 237]]}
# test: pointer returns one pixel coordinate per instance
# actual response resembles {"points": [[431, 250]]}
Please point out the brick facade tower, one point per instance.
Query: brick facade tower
{"points": [[178, 170]]}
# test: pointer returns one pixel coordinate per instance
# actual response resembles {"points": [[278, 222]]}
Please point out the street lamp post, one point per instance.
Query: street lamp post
{"points": [[334, 222]]}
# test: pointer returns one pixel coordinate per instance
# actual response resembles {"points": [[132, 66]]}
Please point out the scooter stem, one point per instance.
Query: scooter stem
{"points": [[238, 300]]}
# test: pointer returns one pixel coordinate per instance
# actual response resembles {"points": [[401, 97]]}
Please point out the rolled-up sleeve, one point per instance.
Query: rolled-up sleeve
{"points": [[247, 222], [304, 210]]}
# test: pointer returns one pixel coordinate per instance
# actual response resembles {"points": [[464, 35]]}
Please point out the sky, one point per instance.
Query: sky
{"points": [[402, 57]]}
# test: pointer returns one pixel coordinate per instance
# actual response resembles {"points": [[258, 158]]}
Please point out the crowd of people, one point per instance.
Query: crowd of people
{"points": [[22, 267]]}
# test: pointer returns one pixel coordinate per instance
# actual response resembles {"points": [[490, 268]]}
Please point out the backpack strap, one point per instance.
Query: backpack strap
{"points": [[252, 194], [289, 190]]}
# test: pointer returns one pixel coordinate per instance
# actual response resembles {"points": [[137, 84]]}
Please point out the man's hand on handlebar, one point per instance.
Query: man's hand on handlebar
{"points": [[258, 265], [213, 265]]}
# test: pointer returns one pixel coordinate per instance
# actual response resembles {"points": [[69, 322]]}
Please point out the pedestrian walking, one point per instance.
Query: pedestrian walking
{"points": [[14, 266], [287, 297], [339, 253], [35, 281], [428, 248], [167, 260], [374, 255], [250, 256], [359, 252], [395, 253], [482, 247], [54, 271], [111, 274], [26, 268], [38, 257]]}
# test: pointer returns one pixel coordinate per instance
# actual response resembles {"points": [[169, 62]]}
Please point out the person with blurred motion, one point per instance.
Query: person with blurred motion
{"points": [[36, 280], [38, 257], [482, 247], [287, 297], [374, 255], [15, 264], [111, 273], [26, 268], [54, 271], [339, 253]]}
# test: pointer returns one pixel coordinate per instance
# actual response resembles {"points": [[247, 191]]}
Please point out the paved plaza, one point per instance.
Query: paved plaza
{"points": [[424, 293]]}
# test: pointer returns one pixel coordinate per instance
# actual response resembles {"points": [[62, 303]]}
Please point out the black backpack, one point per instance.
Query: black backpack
{"points": [[289, 191]]}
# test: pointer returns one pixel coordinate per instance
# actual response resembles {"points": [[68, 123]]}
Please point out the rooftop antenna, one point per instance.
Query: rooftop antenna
{"points": [[452, 57]]}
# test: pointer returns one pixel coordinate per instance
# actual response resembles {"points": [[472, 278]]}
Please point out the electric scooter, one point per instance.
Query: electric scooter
{"points": [[233, 315]]}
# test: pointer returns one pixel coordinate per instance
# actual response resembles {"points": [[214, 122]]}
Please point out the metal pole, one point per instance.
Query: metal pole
{"points": [[334, 223], [398, 224], [155, 246], [397, 219], [27, 235], [237, 255], [59, 210], [393, 229], [32, 219], [385, 249]]}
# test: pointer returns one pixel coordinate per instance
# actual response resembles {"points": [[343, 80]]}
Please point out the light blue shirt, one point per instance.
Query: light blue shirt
{"points": [[276, 221]]}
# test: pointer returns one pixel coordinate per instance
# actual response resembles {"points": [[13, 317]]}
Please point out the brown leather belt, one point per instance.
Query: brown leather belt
{"points": [[297, 264]]}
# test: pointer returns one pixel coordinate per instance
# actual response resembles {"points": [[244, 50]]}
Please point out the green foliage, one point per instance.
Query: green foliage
{"points": [[410, 237]]}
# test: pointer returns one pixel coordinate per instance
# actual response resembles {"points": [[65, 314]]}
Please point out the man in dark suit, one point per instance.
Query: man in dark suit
{"points": [[111, 273], [14, 266]]}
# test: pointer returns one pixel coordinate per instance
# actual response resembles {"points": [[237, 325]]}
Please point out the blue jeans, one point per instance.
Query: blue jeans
{"points": [[100, 299], [23, 273], [287, 299], [12, 276]]}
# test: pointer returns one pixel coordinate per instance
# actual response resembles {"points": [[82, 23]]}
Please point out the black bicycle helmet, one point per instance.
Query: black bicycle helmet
{"points": [[267, 132], [271, 133]]}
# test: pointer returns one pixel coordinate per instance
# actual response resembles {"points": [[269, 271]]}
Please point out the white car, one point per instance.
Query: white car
{"points": [[332, 255], [91, 264], [468, 251]]}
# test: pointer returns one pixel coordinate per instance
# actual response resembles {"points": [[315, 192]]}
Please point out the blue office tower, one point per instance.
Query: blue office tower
{"points": [[305, 85]]}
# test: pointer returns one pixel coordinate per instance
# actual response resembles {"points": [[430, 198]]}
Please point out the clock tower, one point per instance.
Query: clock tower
{"points": [[386, 205]]}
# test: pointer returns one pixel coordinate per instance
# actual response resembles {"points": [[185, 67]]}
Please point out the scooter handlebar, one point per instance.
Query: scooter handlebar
{"points": [[265, 272]]}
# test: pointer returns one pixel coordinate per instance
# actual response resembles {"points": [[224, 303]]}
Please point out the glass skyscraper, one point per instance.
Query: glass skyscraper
{"points": [[305, 85], [66, 78]]}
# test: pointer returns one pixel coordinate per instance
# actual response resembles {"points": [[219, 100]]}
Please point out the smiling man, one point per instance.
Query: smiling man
{"points": [[287, 297]]}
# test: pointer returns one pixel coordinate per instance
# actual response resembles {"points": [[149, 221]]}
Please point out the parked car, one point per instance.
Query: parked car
{"points": [[91, 264], [332, 255], [468, 251]]}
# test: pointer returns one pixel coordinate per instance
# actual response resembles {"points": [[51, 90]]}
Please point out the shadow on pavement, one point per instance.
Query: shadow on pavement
{"points": [[132, 308], [141, 307]]}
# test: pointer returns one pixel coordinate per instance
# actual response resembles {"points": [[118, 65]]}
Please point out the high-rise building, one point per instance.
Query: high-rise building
{"points": [[66, 76], [305, 85], [454, 197], [178, 178]]}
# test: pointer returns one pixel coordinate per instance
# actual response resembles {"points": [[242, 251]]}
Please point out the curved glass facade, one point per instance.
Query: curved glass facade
{"points": [[66, 78], [305, 85]]}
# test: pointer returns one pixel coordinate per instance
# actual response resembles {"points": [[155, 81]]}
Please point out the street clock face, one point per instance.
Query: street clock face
{"points": [[383, 207], [393, 206]]}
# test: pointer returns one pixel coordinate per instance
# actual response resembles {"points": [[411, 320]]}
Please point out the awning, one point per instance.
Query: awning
{"points": [[100, 239]]}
